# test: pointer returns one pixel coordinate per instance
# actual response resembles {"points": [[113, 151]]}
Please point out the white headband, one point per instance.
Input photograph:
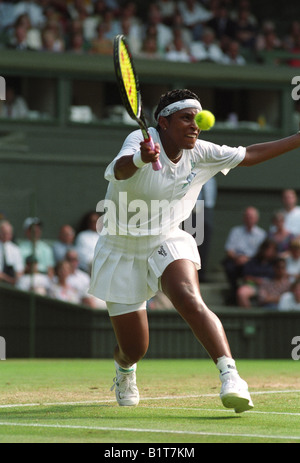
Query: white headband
{"points": [[178, 106]]}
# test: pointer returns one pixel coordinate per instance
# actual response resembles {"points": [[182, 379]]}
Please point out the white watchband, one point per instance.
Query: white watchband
{"points": [[137, 160]]}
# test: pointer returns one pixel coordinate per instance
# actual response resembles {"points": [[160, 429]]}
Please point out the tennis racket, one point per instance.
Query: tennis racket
{"points": [[129, 88]]}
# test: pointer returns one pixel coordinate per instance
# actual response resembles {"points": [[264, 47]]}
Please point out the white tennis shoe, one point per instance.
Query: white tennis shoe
{"points": [[235, 394], [127, 393]]}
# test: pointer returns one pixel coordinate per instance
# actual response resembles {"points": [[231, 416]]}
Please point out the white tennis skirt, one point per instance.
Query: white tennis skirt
{"points": [[128, 269]]}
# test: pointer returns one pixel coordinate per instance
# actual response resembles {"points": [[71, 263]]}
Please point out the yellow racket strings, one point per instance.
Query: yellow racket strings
{"points": [[128, 78]]}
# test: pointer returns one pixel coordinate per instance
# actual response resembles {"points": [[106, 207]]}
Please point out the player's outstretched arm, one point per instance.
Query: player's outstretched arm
{"points": [[261, 152], [127, 166]]}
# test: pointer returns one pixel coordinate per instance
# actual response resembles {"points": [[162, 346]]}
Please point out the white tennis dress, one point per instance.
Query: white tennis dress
{"points": [[141, 232]]}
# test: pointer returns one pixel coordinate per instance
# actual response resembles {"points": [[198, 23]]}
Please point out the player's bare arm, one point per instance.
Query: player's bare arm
{"points": [[126, 166], [261, 152]]}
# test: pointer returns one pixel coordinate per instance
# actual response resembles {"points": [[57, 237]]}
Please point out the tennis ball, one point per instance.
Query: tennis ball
{"points": [[205, 120]]}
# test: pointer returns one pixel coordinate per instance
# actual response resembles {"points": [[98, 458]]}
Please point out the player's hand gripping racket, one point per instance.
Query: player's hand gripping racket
{"points": [[129, 88]]}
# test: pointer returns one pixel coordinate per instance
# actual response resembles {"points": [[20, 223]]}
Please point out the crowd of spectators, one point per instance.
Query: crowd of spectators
{"points": [[263, 266], [222, 31], [59, 269]]}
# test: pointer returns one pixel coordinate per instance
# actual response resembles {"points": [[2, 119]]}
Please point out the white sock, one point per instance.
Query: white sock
{"points": [[227, 368], [125, 370]]}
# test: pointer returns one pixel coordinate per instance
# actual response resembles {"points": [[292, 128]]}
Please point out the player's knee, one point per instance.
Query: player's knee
{"points": [[191, 305], [131, 359], [134, 354]]}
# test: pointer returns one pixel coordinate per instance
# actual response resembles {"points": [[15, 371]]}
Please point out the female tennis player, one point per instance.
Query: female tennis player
{"points": [[136, 257]]}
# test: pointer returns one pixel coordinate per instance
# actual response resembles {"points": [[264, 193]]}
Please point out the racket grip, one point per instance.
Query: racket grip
{"points": [[157, 164]]}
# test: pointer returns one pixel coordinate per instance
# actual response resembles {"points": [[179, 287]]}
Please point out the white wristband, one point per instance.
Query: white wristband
{"points": [[137, 160]]}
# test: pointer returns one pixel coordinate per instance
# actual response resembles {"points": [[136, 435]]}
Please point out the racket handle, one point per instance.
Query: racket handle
{"points": [[157, 164]]}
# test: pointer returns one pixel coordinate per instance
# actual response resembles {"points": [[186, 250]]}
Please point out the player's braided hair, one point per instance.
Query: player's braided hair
{"points": [[172, 96]]}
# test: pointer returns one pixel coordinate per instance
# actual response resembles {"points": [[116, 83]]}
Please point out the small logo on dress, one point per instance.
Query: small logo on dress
{"points": [[162, 251], [190, 177]]}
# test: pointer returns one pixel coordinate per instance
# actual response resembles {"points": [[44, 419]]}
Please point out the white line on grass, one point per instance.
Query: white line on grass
{"points": [[104, 401], [98, 402], [168, 431], [218, 410]]}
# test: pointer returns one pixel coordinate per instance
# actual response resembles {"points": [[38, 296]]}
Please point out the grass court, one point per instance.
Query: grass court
{"points": [[69, 401]]}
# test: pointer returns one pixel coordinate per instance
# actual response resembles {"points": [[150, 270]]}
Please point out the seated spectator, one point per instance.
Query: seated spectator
{"points": [[112, 25], [149, 49], [100, 44], [14, 107], [280, 235], [11, 262], [168, 11], [35, 11], [60, 288], [256, 271], [221, 22], [132, 27], [77, 38], [295, 62], [113, 5], [177, 51], [33, 34], [34, 245], [32, 280], [100, 7], [78, 279], [51, 40], [7, 15], [78, 44], [129, 11], [241, 245], [207, 49], [232, 54], [19, 38], [243, 5], [293, 260], [133, 33], [164, 33], [86, 240], [290, 300], [80, 282], [56, 10], [79, 9], [194, 16], [185, 33], [268, 39], [270, 291], [293, 33], [245, 29], [64, 243], [291, 211]]}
